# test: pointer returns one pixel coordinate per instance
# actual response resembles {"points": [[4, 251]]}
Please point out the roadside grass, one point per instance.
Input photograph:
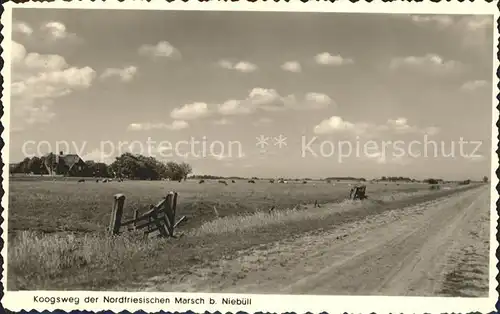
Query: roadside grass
{"points": [[34, 256], [276, 218]]}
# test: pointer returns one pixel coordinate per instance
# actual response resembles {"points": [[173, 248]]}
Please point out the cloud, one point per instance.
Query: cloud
{"points": [[235, 107], [241, 66], [474, 85], [267, 99], [316, 101], [326, 58], [125, 74], [222, 121], [382, 158], [292, 66], [22, 28], [439, 20], [56, 31], [263, 121], [475, 158], [473, 32], [37, 80], [337, 124], [430, 63], [98, 156], [174, 126], [190, 111], [163, 49], [334, 124]]}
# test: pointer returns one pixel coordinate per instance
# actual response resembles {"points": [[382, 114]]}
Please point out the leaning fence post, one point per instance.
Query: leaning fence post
{"points": [[136, 215], [116, 214]]}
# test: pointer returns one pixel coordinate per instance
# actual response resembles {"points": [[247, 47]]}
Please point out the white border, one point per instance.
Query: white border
{"points": [[17, 301]]}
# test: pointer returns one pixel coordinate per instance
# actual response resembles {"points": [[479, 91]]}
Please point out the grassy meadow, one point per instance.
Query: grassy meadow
{"points": [[56, 227], [66, 205]]}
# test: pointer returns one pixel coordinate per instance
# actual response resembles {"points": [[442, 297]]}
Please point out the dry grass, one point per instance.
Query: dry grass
{"points": [[263, 219], [47, 256]]}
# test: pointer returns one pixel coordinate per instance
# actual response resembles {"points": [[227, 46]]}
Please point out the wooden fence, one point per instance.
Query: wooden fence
{"points": [[358, 192], [160, 218]]}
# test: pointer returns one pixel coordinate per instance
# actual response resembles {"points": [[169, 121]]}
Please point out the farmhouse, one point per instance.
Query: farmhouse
{"points": [[64, 164]]}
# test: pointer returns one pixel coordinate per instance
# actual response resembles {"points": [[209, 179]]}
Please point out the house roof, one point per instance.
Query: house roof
{"points": [[70, 159]]}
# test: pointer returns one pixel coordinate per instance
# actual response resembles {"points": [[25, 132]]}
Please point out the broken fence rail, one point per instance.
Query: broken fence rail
{"points": [[160, 217]]}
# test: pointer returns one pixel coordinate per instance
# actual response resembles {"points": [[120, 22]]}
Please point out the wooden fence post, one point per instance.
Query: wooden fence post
{"points": [[116, 214], [136, 215]]}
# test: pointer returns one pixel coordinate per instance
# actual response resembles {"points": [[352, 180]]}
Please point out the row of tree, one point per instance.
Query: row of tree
{"points": [[125, 166]]}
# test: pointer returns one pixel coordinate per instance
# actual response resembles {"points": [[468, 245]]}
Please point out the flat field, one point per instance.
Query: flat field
{"points": [[58, 242], [46, 205]]}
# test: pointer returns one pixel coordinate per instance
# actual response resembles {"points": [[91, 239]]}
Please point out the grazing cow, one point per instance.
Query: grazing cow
{"points": [[97, 180], [105, 180], [304, 182], [281, 181], [233, 181], [251, 181], [271, 181], [223, 182], [81, 180], [201, 181]]}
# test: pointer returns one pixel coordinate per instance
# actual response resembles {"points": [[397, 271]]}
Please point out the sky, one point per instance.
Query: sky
{"points": [[270, 94]]}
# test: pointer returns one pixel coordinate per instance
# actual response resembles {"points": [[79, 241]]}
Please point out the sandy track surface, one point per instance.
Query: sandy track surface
{"points": [[434, 248]]}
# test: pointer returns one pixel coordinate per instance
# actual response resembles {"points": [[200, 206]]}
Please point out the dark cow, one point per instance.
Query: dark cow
{"points": [[223, 182], [201, 181], [81, 180], [251, 181]]}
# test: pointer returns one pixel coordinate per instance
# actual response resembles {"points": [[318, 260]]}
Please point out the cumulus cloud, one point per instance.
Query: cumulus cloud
{"points": [[241, 66], [268, 99], [57, 31], [336, 124], [474, 85], [430, 63], [222, 121], [475, 158], [325, 58], [439, 20], [22, 28], [38, 79], [163, 49], [125, 74], [190, 111], [473, 32], [148, 126], [386, 158], [98, 156], [235, 107], [263, 121], [292, 66]]}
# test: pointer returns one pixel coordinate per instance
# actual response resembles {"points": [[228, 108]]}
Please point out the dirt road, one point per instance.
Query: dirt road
{"points": [[439, 247]]}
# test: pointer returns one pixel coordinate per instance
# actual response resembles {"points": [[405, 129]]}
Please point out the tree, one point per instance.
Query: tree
{"points": [[186, 170], [35, 165]]}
